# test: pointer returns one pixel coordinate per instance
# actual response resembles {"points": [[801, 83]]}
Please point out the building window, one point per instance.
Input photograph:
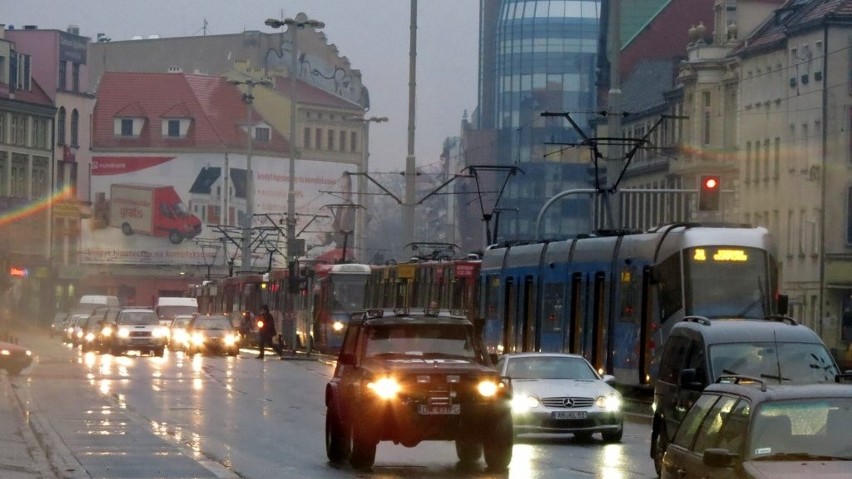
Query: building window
{"points": [[748, 162], [776, 170], [75, 77], [318, 138], [75, 128], [19, 175], [261, 134], [40, 133], [306, 139], [849, 216], [62, 80], [174, 128], [19, 130], [126, 127], [4, 165], [353, 141], [766, 152], [40, 177], [2, 127], [342, 144], [706, 101], [60, 126], [330, 140]]}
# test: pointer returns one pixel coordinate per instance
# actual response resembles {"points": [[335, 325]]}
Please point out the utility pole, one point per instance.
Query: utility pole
{"points": [[248, 99], [410, 173], [613, 159]]}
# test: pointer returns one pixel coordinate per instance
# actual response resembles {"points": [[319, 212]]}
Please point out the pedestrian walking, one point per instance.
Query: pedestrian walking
{"points": [[266, 331]]}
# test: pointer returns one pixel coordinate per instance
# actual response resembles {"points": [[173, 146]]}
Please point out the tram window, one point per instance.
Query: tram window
{"points": [[670, 281]]}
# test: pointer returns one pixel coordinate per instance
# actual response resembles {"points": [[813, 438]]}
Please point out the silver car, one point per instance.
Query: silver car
{"points": [[562, 393]]}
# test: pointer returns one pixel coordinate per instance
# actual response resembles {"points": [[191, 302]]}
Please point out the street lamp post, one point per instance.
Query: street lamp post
{"points": [[293, 25], [363, 168], [248, 99]]}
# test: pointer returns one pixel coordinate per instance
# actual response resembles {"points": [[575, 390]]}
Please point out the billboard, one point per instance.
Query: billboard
{"points": [[161, 209]]}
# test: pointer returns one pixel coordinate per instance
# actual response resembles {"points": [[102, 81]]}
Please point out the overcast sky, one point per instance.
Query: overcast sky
{"points": [[373, 34]]}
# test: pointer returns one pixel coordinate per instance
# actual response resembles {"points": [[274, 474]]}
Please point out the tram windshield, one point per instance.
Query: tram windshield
{"points": [[348, 292], [727, 282]]}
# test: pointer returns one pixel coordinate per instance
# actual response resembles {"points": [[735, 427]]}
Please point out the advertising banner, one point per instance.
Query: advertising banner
{"points": [[161, 209]]}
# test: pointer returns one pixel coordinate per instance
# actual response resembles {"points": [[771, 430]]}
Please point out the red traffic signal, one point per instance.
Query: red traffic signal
{"points": [[709, 191]]}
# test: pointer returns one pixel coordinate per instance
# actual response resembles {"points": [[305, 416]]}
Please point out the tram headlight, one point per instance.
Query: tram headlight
{"points": [[337, 326], [385, 388]]}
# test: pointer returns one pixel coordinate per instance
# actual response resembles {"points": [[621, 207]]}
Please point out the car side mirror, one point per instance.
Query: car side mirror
{"points": [[346, 359], [717, 457], [609, 379], [689, 380]]}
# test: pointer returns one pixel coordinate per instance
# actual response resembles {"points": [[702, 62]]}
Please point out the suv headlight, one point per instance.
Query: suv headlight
{"points": [[385, 388], [123, 333], [230, 339], [488, 388], [107, 331], [198, 338], [609, 403], [160, 332]]}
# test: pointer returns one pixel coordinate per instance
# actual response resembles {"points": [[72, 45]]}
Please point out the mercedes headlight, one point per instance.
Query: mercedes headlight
{"points": [[385, 388], [523, 403], [609, 403]]}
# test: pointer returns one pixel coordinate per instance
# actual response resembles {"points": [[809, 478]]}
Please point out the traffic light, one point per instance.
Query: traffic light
{"points": [[709, 190]]}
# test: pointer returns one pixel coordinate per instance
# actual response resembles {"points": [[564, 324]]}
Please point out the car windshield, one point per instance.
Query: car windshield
{"points": [[802, 429], [138, 318], [420, 340], [783, 362], [181, 322], [217, 323], [555, 367]]}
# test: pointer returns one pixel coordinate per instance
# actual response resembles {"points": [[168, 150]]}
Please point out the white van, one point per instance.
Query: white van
{"points": [[169, 307], [88, 303]]}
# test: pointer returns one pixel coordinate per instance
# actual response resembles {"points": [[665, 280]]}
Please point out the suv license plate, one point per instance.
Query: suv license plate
{"points": [[569, 415], [438, 410]]}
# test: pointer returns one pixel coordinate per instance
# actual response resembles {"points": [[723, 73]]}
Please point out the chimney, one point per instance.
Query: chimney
{"points": [[73, 29]]}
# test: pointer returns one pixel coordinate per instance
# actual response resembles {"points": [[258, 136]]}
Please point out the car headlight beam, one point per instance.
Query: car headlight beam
{"points": [[487, 388]]}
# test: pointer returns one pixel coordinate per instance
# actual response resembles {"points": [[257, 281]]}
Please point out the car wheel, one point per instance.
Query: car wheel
{"points": [[468, 450], [613, 436], [337, 442], [175, 237], [659, 442], [363, 448], [497, 446]]}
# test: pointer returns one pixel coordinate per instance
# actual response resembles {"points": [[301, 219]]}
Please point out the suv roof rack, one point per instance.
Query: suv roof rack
{"points": [[698, 319], [741, 379]]}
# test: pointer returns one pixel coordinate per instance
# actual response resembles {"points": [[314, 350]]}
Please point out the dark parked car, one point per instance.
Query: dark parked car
{"points": [[14, 358], [212, 335], [698, 351], [411, 377], [751, 428]]}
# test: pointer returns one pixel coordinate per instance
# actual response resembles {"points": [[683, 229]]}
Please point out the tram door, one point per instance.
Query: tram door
{"points": [[528, 315], [510, 310]]}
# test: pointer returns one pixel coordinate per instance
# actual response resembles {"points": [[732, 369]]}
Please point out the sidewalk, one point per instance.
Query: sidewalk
{"points": [[21, 456]]}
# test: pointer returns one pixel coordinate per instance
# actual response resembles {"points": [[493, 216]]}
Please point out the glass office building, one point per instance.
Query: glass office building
{"points": [[539, 56]]}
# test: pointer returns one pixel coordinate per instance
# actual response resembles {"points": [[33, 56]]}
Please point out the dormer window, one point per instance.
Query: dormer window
{"points": [[128, 127], [261, 133], [175, 127]]}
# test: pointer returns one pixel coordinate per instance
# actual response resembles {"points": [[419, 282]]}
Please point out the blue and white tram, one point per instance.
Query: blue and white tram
{"points": [[613, 298]]}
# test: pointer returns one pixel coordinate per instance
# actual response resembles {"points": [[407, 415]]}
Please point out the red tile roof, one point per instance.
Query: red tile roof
{"points": [[794, 15], [215, 106], [308, 94]]}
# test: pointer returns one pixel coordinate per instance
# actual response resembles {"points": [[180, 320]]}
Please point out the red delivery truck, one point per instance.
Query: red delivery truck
{"points": [[152, 210]]}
